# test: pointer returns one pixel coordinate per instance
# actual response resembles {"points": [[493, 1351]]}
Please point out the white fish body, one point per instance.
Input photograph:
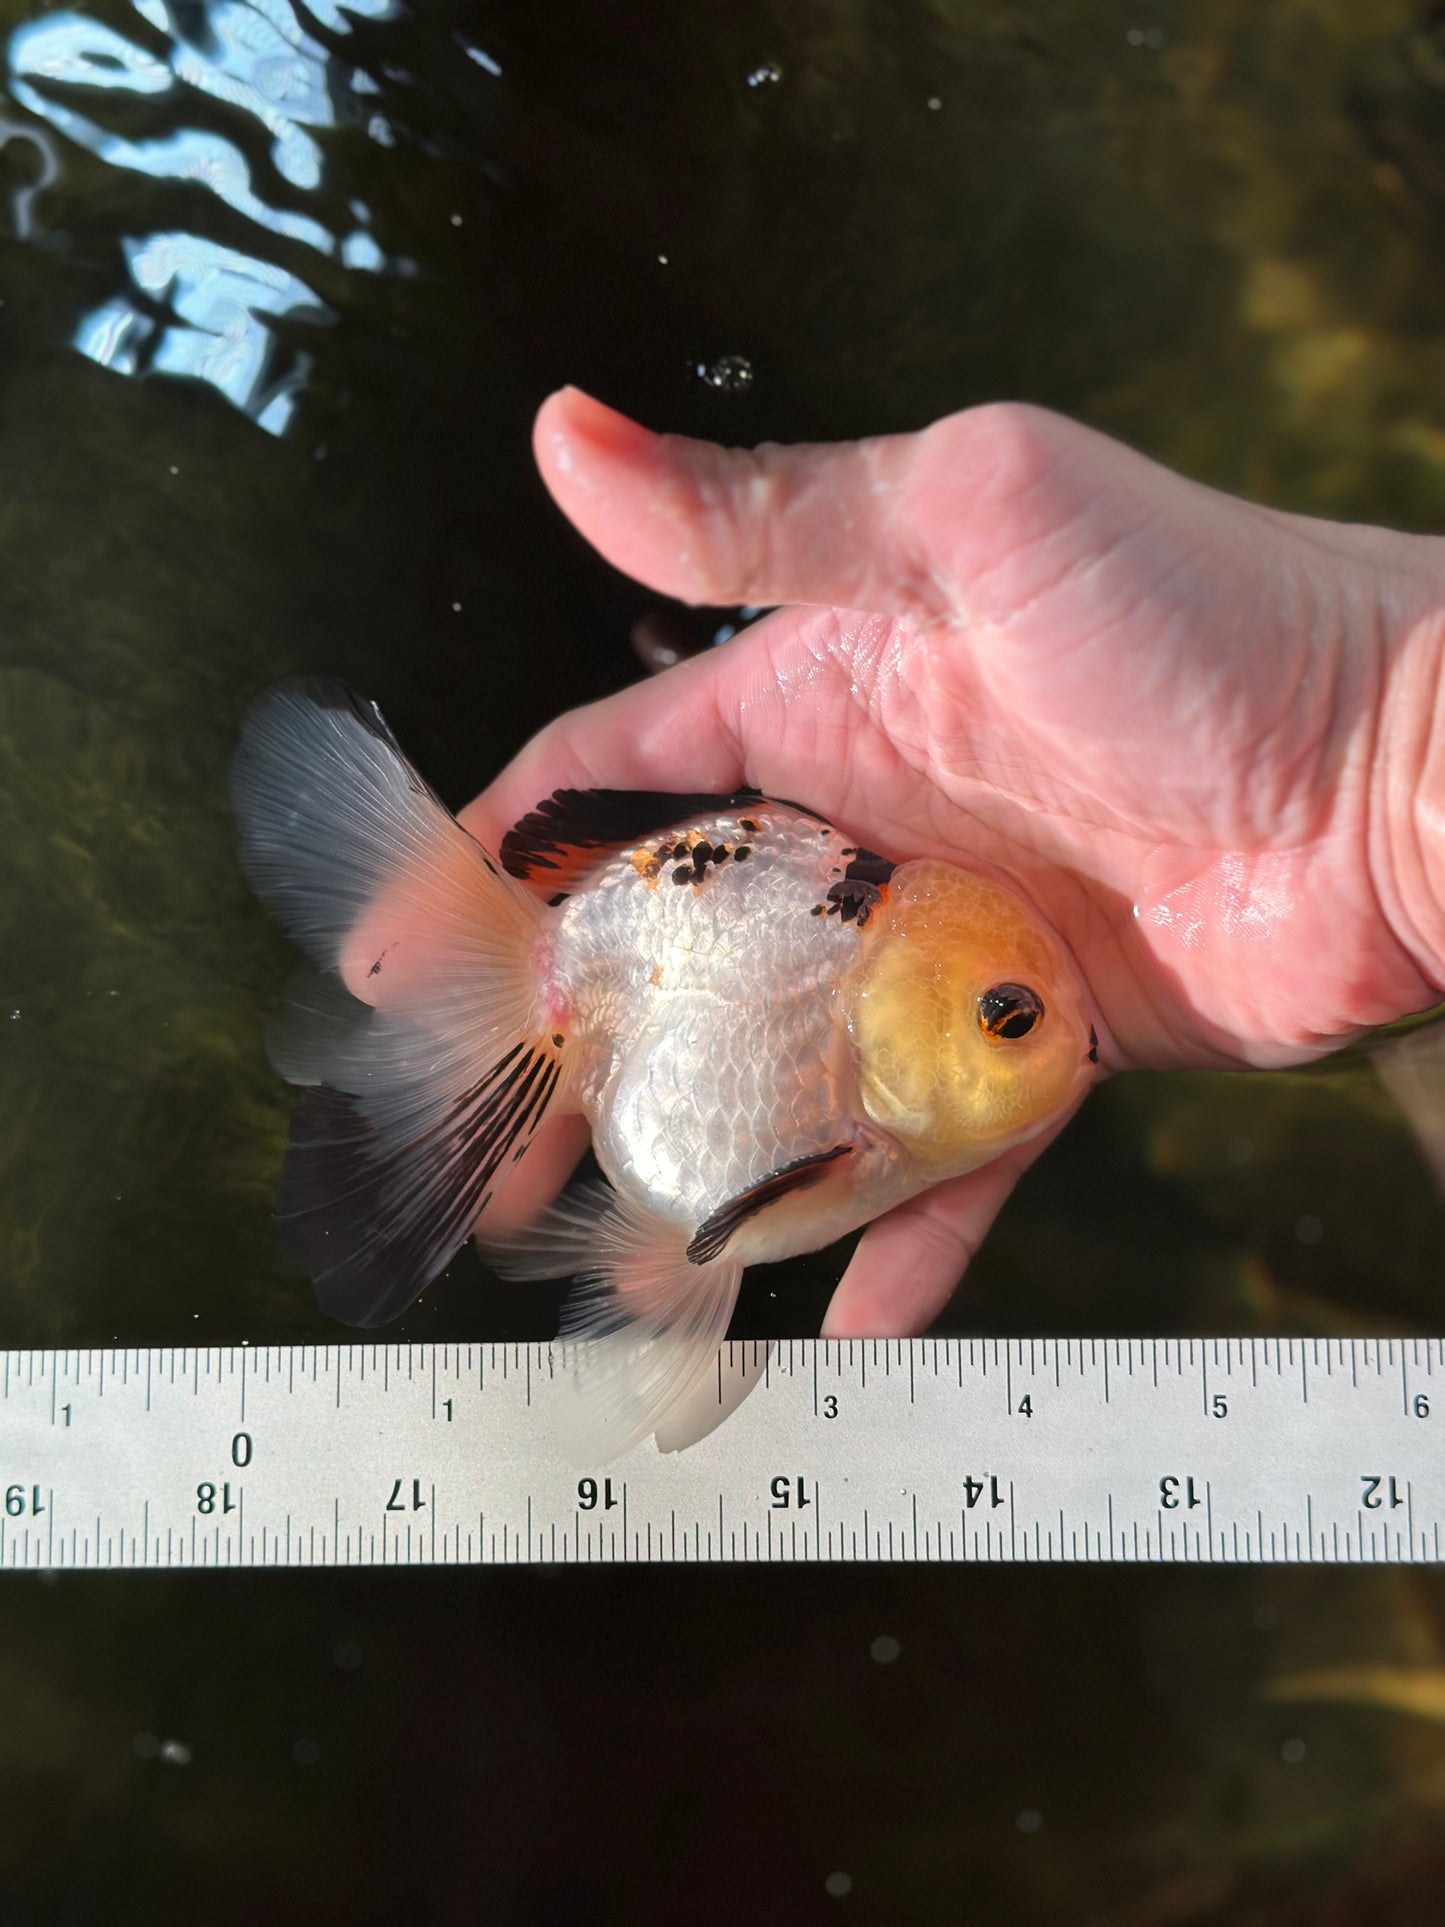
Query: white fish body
{"points": [[774, 1035]]}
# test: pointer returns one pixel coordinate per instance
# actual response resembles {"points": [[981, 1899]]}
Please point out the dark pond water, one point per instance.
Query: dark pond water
{"points": [[282, 289]]}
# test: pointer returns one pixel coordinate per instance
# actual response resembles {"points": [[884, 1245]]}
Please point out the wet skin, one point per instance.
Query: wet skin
{"points": [[1208, 739]]}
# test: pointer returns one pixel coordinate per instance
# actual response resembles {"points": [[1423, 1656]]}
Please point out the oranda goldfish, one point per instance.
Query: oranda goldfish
{"points": [[774, 1034]]}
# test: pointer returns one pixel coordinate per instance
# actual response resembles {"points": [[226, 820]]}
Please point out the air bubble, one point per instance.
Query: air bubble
{"points": [[729, 374], [766, 75]]}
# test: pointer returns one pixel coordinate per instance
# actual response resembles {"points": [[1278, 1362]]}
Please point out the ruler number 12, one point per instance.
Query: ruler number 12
{"points": [[1374, 1497]]}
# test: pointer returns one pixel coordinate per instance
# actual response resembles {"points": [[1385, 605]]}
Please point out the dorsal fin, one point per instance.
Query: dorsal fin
{"points": [[568, 832]]}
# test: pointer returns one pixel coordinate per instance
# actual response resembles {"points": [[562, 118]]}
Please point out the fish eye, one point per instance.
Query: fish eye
{"points": [[1009, 1011]]}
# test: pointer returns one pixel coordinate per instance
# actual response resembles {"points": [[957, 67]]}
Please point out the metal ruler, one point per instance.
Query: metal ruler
{"points": [[949, 1449]]}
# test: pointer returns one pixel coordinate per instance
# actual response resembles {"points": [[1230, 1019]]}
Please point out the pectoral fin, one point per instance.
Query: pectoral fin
{"points": [[713, 1233]]}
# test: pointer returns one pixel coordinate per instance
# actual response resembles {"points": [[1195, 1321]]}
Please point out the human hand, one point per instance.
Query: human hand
{"points": [[1208, 739]]}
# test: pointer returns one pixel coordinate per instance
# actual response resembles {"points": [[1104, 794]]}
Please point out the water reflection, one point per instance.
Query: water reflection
{"points": [[194, 307]]}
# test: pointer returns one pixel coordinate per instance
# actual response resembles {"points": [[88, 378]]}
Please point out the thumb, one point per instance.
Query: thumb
{"points": [[972, 518], [809, 523]]}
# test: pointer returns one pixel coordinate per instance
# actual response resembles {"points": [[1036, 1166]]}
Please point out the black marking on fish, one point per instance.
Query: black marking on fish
{"points": [[713, 1233], [375, 970], [570, 822], [748, 824], [554, 903], [818, 910], [682, 874], [679, 851], [564, 829], [1093, 1045], [721, 853], [745, 850], [859, 890], [374, 1224], [558, 1039]]}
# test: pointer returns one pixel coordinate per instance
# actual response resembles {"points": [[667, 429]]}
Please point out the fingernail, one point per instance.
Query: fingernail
{"points": [[592, 421]]}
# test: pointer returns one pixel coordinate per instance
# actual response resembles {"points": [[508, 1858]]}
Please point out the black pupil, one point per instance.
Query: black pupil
{"points": [[1009, 1010]]}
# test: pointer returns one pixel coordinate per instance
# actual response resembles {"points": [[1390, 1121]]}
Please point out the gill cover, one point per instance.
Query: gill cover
{"points": [[942, 1063]]}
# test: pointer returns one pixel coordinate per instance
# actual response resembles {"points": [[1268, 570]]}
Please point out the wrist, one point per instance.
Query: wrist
{"points": [[1407, 854]]}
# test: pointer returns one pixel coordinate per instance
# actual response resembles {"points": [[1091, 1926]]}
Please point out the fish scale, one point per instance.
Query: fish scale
{"points": [[720, 1054]]}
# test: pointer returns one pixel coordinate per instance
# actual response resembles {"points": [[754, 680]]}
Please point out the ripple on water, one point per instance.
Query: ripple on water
{"points": [[189, 305]]}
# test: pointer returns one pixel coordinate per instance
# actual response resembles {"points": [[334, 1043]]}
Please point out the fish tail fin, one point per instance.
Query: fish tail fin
{"points": [[1412, 1069], [428, 1060], [641, 1330]]}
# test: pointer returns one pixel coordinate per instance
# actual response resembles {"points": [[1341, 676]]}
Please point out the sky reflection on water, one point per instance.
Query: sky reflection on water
{"points": [[194, 307]]}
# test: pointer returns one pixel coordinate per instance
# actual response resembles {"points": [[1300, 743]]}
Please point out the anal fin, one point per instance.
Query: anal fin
{"points": [[644, 1324], [712, 1235]]}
